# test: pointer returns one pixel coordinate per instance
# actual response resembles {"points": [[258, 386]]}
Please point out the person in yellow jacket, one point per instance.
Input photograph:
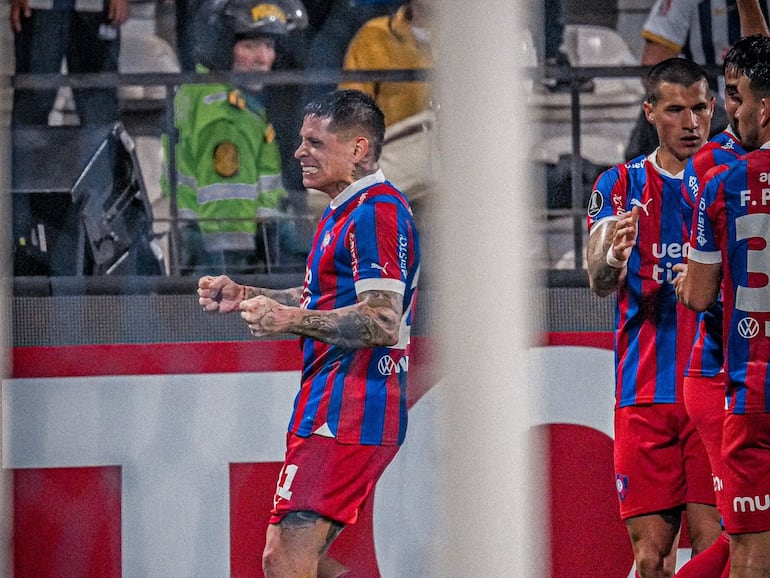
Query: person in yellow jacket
{"points": [[228, 169], [410, 157], [400, 41]]}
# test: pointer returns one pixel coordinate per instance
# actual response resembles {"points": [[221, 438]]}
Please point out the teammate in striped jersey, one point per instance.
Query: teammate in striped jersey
{"points": [[704, 379], [704, 385], [636, 237], [730, 236], [353, 316]]}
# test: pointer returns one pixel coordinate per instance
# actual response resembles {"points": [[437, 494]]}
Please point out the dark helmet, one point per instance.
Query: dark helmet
{"points": [[296, 14], [247, 18]]}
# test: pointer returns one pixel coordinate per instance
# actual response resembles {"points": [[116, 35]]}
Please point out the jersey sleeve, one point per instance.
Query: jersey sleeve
{"points": [[690, 189], [381, 244], [698, 170], [668, 23], [608, 197], [704, 247], [713, 158]]}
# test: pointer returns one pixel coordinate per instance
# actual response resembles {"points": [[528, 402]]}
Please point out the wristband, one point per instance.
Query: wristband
{"points": [[614, 262]]}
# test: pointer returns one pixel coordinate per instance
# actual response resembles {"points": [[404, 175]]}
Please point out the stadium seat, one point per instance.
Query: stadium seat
{"points": [[588, 45], [141, 50], [609, 98]]}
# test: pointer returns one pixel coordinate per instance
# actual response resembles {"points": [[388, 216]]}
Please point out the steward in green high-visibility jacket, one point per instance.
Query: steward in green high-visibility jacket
{"points": [[228, 168]]}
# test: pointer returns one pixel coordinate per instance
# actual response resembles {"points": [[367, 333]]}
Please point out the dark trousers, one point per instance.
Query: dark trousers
{"points": [[47, 37]]}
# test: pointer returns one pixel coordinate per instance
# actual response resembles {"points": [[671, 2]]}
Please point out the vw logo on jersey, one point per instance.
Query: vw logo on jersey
{"points": [[595, 204], [748, 327], [386, 365]]}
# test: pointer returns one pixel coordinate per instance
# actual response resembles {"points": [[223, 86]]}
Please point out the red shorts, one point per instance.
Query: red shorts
{"points": [[324, 476], [746, 473], [704, 398], [660, 461]]}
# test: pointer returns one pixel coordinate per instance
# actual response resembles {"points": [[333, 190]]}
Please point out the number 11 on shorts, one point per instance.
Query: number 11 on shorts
{"points": [[285, 478]]}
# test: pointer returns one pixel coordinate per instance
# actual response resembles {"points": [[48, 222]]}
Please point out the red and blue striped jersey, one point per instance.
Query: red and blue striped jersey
{"points": [[707, 359], [653, 332], [365, 241], [732, 227]]}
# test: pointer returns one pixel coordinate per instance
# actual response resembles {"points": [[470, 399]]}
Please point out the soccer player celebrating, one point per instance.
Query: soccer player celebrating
{"points": [[353, 315], [636, 237]]}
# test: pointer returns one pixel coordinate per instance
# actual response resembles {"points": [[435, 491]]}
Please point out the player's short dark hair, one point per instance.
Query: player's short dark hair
{"points": [[677, 70], [747, 53], [753, 62], [351, 110], [759, 77]]}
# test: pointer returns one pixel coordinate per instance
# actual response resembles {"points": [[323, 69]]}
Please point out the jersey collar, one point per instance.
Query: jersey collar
{"points": [[356, 187], [653, 158]]}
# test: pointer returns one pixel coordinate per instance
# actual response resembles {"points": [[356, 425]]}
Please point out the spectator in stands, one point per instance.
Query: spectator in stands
{"points": [[353, 316], [402, 41], [86, 33], [320, 45], [228, 168], [635, 223], [185, 20], [730, 233], [337, 21], [701, 29]]}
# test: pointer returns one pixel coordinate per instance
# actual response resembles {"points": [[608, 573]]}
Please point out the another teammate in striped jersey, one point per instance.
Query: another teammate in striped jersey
{"points": [[636, 238], [730, 236]]}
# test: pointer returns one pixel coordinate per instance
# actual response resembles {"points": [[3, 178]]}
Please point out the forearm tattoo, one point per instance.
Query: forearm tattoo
{"points": [[372, 322], [290, 297]]}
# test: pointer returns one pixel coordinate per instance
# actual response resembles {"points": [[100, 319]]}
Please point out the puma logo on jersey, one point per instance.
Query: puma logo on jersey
{"points": [[380, 267], [643, 206]]}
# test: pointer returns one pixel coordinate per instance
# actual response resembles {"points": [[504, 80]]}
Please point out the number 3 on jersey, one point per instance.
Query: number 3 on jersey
{"points": [[754, 299]]}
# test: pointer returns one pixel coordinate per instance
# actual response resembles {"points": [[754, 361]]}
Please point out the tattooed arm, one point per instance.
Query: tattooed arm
{"points": [[609, 247], [289, 297], [374, 321], [223, 295]]}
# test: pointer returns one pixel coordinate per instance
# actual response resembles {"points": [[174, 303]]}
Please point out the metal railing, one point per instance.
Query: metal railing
{"points": [[574, 77], [172, 80]]}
